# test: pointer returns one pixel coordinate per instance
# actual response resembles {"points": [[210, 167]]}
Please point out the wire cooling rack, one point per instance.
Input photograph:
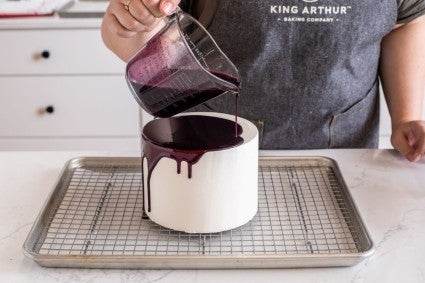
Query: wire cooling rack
{"points": [[305, 212]]}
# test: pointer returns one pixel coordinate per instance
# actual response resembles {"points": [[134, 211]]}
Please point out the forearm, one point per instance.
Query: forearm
{"points": [[402, 71]]}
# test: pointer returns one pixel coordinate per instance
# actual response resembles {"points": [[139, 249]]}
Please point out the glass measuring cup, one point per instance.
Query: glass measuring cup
{"points": [[180, 67]]}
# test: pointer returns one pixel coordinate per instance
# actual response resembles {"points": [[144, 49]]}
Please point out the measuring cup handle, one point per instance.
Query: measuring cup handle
{"points": [[177, 11]]}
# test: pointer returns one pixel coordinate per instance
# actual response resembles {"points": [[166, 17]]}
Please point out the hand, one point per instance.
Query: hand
{"points": [[409, 139], [126, 18]]}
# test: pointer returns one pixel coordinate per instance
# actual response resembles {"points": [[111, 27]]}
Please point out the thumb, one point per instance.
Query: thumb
{"points": [[409, 139], [401, 142], [168, 6], [418, 150]]}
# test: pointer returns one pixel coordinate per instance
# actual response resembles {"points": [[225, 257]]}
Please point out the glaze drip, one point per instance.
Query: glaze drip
{"points": [[185, 139]]}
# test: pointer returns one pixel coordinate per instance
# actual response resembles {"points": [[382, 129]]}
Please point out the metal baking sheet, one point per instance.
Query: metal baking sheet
{"points": [[94, 219]]}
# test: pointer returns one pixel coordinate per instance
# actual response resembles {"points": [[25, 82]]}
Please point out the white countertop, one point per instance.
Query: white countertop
{"points": [[389, 193]]}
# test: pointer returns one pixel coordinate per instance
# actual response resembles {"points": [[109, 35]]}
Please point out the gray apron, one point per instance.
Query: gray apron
{"points": [[309, 68]]}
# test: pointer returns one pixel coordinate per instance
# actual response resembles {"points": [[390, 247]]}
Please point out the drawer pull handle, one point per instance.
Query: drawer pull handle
{"points": [[45, 54], [50, 109]]}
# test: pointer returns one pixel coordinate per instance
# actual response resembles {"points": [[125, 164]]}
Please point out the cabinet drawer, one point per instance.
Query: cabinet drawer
{"points": [[82, 106], [75, 51]]}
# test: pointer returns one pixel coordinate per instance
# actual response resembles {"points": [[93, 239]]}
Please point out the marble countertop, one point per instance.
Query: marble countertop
{"points": [[389, 193]]}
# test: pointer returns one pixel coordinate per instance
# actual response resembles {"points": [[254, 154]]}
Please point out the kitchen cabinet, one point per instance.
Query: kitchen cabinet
{"points": [[61, 88]]}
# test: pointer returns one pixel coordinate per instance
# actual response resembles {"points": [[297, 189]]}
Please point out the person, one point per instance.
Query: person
{"points": [[310, 70]]}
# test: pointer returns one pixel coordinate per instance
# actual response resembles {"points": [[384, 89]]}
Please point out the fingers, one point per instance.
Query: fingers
{"points": [[418, 150], [126, 18], [409, 139], [120, 21], [153, 7], [400, 141], [160, 8], [116, 27], [168, 6], [142, 15]]}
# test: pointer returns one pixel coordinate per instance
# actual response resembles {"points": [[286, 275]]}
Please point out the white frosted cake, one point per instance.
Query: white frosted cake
{"points": [[217, 192]]}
